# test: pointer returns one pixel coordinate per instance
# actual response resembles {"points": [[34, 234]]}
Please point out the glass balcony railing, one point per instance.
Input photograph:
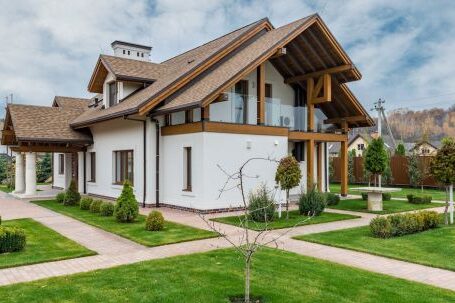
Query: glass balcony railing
{"points": [[277, 114], [234, 108]]}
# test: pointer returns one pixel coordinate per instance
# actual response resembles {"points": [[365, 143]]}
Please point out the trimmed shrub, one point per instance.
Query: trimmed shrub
{"points": [[85, 203], [72, 197], [312, 203], [364, 196], [106, 209], [427, 199], [403, 224], [261, 206], [12, 239], [126, 207], [154, 221], [410, 197], [60, 197], [332, 199], [380, 227], [386, 196], [95, 206]]}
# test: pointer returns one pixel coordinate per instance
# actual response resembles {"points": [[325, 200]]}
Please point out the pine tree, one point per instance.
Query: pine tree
{"points": [[376, 157], [126, 207]]}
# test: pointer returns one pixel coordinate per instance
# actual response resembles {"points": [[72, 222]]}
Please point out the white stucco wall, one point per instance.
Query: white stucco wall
{"points": [[354, 146], [62, 180]]}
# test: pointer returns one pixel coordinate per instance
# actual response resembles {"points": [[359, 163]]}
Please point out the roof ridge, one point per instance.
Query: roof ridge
{"points": [[80, 98], [129, 59], [213, 40]]}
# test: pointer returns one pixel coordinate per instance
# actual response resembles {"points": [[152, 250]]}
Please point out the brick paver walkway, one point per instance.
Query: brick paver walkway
{"points": [[114, 250]]}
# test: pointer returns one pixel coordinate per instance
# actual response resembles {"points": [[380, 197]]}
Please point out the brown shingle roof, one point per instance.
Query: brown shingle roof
{"points": [[70, 102], [175, 68], [124, 68], [42, 123], [246, 57]]}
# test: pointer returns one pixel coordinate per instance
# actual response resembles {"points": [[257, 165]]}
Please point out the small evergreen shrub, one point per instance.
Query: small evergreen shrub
{"points": [[332, 199], [72, 196], [106, 209], [60, 197], [126, 207], [154, 221], [403, 224], [11, 239], [95, 206], [364, 196], [261, 206], [386, 196], [427, 199], [85, 203], [311, 203], [410, 197]]}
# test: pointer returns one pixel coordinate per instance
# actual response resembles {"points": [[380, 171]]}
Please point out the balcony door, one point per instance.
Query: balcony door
{"points": [[241, 102]]}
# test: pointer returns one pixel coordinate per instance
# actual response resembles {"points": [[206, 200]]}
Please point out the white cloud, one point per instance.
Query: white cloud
{"points": [[404, 49]]}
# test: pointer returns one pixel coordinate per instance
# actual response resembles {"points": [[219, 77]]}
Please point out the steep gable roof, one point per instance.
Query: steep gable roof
{"points": [[178, 71], [71, 103]]}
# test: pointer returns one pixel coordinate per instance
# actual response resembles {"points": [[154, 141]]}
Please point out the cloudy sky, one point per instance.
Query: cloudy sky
{"points": [[404, 49]]}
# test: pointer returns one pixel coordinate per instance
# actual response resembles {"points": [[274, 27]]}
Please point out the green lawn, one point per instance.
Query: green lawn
{"points": [[43, 245], [172, 232], [295, 219], [392, 206], [436, 194], [433, 247], [277, 276]]}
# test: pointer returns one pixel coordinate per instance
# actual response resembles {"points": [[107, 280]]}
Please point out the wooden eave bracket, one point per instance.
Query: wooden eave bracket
{"points": [[322, 91]]}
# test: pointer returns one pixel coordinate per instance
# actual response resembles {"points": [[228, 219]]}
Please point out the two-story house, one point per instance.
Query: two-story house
{"points": [[175, 128]]}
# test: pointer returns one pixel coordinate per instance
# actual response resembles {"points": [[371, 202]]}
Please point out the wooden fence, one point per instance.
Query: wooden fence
{"points": [[398, 166]]}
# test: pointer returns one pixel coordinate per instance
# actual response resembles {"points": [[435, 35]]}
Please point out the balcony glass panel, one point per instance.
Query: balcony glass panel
{"points": [[277, 114], [235, 108]]}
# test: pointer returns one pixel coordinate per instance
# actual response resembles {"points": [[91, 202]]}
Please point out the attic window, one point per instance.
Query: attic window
{"points": [[138, 54], [123, 51], [129, 53]]}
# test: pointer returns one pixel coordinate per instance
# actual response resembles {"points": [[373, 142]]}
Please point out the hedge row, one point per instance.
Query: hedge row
{"points": [[403, 224], [418, 199], [11, 239]]}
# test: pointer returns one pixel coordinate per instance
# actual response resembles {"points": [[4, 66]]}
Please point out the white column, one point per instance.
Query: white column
{"points": [[80, 172], [19, 183], [30, 174]]}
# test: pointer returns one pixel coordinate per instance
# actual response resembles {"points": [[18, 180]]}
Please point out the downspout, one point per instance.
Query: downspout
{"points": [[157, 164], [144, 123]]}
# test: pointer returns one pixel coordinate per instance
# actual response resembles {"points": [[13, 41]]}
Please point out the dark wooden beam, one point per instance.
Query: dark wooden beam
{"points": [[332, 70]]}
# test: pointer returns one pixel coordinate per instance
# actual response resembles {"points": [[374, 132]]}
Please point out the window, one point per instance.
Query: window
{"points": [[129, 53], [112, 93], [268, 90], [189, 116], [123, 51], [92, 167], [61, 164], [187, 169], [123, 166], [142, 55], [138, 54], [361, 146]]}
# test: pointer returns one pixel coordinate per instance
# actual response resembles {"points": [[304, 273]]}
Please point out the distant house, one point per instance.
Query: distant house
{"points": [[359, 144], [424, 148]]}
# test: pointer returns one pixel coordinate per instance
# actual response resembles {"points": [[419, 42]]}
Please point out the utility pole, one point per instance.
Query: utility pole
{"points": [[378, 106]]}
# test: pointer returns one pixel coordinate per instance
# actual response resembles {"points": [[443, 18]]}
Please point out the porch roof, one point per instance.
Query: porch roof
{"points": [[42, 128]]}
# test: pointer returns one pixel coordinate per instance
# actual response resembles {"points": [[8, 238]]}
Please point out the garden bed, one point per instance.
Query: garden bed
{"points": [[389, 207], [42, 245], [135, 231], [295, 219], [216, 276]]}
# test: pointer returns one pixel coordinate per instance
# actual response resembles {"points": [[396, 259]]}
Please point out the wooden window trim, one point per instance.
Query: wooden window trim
{"points": [[61, 164], [188, 169], [92, 167], [120, 179]]}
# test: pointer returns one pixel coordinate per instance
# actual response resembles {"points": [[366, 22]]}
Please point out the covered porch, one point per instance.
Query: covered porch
{"points": [[29, 130]]}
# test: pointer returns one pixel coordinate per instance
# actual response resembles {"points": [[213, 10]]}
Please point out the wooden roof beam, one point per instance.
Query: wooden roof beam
{"points": [[345, 119], [331, 70]]}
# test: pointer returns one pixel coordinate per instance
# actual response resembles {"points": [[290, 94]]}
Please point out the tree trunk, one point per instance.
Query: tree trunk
{"points": [[247, 278], [287, 204], [446, 209]]}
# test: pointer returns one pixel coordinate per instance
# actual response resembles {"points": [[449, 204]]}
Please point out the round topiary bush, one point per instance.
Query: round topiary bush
{"points": [[11, 239], [261, 206], [85, 203], [106, 209], [312, 203], [60, 197], [155, 221], [386, 196], [364, 196], [95, 206], [126, 207], [72, 196], [332, 199]]}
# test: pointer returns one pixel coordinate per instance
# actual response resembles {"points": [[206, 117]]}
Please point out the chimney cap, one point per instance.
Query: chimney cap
{"points": [[118, 42]]}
